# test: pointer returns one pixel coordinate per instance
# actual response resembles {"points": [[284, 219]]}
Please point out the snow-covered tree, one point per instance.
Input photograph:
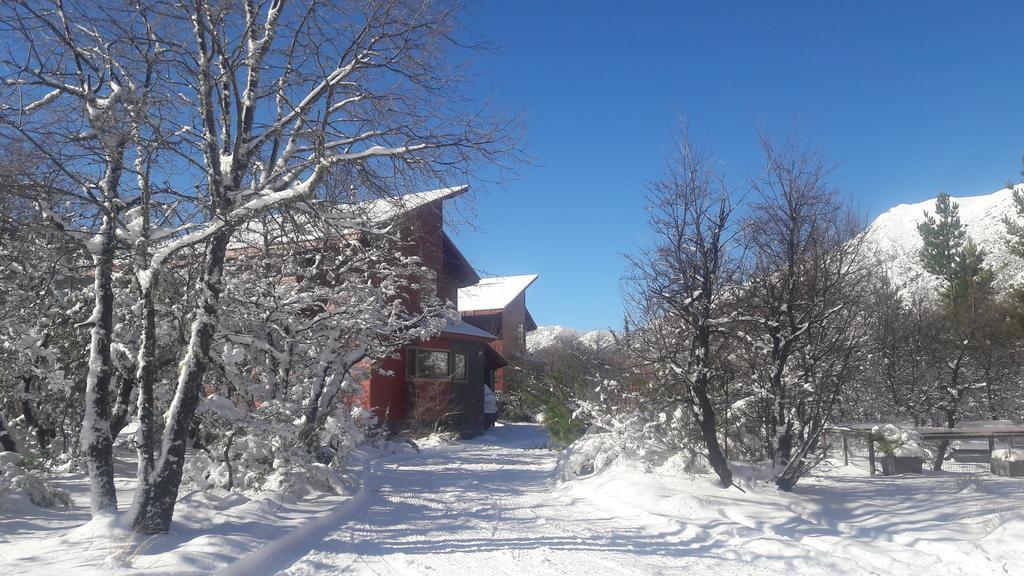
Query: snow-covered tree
{"points": [[41, 300], [310, 306], [79, 97], [904, 358], [1014, 223], [170, 126], [968, 330], [803, 299], [680, 291], [364, 86]]}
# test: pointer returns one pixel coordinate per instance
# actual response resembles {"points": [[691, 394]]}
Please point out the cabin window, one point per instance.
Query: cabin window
{"points": [[431, 363], [458, 366], [435, 364]]}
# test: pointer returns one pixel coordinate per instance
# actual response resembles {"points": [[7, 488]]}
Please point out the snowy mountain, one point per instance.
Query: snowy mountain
{"points": [[548, 336], [894, 238]]}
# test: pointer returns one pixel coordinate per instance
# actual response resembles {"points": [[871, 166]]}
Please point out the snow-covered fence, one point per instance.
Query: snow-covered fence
{"points": [[968, 448]]}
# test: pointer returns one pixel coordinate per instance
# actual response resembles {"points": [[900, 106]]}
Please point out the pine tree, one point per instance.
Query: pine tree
{"points": [[1015, 224], [972, 279], [943, 239], [1015, 241], [949, 253]]}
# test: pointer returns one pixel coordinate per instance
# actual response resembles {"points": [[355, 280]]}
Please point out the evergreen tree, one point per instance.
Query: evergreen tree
{"points": [[943, 238], [1015, 224], [972, 279], [949, 253]]}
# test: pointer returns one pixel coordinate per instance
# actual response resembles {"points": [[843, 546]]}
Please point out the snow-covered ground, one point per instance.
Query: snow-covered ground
{"points": [[494, 505], [210, 530]]}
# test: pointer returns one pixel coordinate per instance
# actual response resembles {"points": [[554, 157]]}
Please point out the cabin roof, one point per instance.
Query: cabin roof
{"points": [[493, 293], [383, 209], [463, 328], [301, 226]]}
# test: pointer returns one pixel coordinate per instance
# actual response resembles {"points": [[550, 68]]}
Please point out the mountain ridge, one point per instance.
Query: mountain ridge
{"points": [[894, 239], [547, 336]]}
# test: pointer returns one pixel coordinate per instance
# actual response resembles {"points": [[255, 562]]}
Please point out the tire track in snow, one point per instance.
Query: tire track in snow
{"points": [[486, 507], [459, 509]]}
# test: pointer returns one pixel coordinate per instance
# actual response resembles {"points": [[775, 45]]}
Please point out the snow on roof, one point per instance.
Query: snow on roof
{"points": [[493, 293], [384, 209], [466, 329], [301, 226]]}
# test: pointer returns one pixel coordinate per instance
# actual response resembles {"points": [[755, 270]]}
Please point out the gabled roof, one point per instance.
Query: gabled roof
{"points": [[300, 226], [462, 330], [383, 209], [493, 293]]}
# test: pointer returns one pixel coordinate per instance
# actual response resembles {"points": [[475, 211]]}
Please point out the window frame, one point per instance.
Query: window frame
{"points": [[412, 364], [465, 366]]}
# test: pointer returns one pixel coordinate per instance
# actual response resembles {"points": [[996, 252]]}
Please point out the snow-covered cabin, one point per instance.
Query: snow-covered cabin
{"points": [[441, 378], [498, 306]]}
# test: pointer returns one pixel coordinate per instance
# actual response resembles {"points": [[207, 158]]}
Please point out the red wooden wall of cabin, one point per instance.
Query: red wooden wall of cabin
{"points": [[384, 392]]}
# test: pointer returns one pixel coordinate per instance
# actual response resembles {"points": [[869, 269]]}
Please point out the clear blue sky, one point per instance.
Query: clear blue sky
{"points": [[908, 98]]}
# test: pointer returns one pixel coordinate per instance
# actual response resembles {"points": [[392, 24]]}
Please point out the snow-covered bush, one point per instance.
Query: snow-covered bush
{"points": [[623, 427], [261, 450], [1008, 455], [436, 439], [598, 449], [15, 480], [589, 455], [899, 442]]}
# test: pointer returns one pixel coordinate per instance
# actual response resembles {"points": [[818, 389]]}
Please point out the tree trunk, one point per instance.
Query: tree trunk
{"points": [[706, 418], [157, 495], [709, 432], [146, 375], [42, 433], [281, 366], [784, 445], [119, 418], [781, 446], [307, 435], [227, 460], [940, 453], [798, 464], [97, 444], [328, 372], [6, 442]]}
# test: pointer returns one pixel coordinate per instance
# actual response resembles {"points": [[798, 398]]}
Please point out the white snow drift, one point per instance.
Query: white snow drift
{"points": [[495, 505]]}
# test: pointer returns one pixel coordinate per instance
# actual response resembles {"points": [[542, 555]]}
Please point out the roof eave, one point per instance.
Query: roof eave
{"points": [[467, 337], [499, 361], [461, 256], [494, 311], [531, 324]]}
